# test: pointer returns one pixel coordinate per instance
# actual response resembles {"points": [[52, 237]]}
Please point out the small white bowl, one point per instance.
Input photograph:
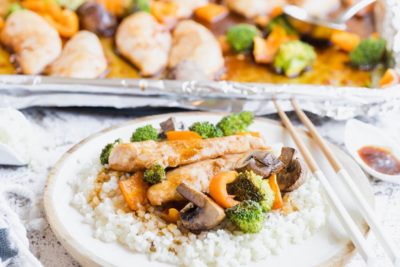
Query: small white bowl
{"points": [[359, 134]]}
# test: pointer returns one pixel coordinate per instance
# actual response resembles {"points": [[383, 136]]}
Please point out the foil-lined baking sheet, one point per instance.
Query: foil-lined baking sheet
{"points": [[335, 102], [20, 91]]}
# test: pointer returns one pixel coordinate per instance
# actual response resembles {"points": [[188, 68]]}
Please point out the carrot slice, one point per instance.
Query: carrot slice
{"points": [[346, 41], [218, 189], [67, 23], [134, 191], [182, 135], [273, 183], [389, 78], [265, 49], [211, 13]]}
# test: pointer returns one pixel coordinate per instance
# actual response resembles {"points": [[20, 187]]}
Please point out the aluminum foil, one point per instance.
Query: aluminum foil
{"points": [[336, 102], [20, 91]]}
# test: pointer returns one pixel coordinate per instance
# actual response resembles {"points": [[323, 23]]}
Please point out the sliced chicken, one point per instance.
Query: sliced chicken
{"points": [[253, 8], [145, 42], [82, 57], [131, 157], [35, 43], [197, 175], [186, 8], [195, 43]]}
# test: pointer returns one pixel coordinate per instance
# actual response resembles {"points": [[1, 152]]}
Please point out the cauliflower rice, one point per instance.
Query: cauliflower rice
{"points": [[144, 232]]}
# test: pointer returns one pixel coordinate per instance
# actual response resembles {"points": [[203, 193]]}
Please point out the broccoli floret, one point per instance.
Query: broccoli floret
{"points": [[105, 152], [240, 37], [142, 5], [144, 133], [294, 57], [236, 123], [368, 53], [206, 129], [249, 186], [154, 175], [280, 21], [247, 216]]}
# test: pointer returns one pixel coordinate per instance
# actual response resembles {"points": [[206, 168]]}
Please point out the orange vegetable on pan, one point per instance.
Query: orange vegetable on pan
{"points": [[389, 78], [265, 49], [273, 183], [346, 41], [66, 23], [211, 13], [182, 135], [164, 12], [134, 191], [218, 190]]}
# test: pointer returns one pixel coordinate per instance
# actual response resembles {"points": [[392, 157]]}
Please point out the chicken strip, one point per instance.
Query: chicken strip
{"points": [[195, 43], [35, 42], [145, 42], [82, 57], [131, 157], [197, 175], [253, 8]]}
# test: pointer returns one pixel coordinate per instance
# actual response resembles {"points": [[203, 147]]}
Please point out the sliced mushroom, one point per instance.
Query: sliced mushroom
{"points": [[202, 213], [294, 173], [94, 17], [262, 163], [171, 125]]}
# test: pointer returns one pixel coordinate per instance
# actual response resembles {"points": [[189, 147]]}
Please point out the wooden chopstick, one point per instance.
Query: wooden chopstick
{"points": [[386, 242], [344, 217]]}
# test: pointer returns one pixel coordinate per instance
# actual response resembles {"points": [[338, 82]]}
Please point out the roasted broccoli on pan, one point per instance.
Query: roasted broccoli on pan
{"points": [[240, 37], [368, 53]]}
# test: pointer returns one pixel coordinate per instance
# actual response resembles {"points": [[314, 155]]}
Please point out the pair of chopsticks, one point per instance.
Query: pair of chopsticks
{"points": [[349, 225]]}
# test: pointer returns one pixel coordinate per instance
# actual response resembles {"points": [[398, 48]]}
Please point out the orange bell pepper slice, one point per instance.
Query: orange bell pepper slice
{"points": [[134, 191], [182, 135], [278, 201], [211, 13], [389, 78], [346, 41], [218, 190]]}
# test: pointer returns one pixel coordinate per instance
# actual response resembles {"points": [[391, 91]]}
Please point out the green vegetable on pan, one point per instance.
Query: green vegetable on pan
{"points": [[249, 186], [294, 57], [206, 129], [144, 133], [247, 216], [14, 8], [240, 37], [281, 21], [155, 174], [236, 123], [142, 5], [105, 152], [369, 53]]}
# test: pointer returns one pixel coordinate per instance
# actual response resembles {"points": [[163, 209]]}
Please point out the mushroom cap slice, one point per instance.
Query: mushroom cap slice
{"points": [[295, 172], [262, 163], [202, 213]]}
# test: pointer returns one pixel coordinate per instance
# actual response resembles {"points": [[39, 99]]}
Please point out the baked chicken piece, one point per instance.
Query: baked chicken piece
{"points": [[35, 43], [144, 42], [197, 175], [195, 43], [82, 57], [253, 8], [130, 157]]}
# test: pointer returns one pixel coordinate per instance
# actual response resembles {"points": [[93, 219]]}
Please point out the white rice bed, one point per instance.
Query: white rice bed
{"points": [[148, 234]]}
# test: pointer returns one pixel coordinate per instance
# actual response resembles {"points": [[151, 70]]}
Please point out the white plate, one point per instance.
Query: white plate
{"points": [[330, 246]]}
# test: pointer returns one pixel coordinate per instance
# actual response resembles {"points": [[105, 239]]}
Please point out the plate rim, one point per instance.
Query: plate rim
{"points": [[84, 257]]}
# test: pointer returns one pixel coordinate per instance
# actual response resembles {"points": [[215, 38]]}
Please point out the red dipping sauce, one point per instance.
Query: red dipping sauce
{"points": [[380, 159]]}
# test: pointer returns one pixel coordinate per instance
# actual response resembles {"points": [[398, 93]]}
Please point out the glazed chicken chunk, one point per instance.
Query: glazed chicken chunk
{"points": [[35, 43], [82, 57], [197, 175], [253, 8], [145, 42], [137, 156], [194, 43]]}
